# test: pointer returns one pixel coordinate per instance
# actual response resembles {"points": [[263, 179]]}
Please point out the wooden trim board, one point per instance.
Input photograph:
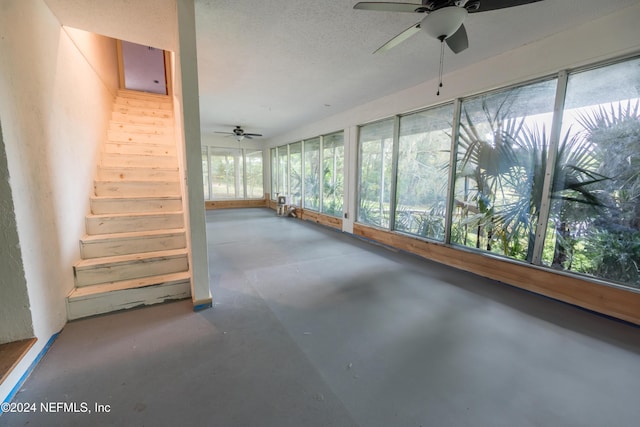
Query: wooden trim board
{"points": [[609, 300], [11, 353]]}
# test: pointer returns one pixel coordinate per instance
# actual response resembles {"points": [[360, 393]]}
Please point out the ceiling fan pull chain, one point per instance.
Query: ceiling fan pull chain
{"points": [[441, 66]]}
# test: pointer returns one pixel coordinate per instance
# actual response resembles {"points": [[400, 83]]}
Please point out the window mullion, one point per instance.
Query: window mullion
{"points": [[453, 158], [394, 172], [545, 205]]}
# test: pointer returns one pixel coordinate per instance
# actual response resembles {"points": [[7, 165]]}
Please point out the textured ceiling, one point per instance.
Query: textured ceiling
{"points": [[272, 66]]}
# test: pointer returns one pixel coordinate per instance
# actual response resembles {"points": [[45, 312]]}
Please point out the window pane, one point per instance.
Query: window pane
{"points": [[274, 173], [502, 151], [312, 174], [255, 189], [376, 152], [226, 172], [594, 226], [423, 172], [295, 172], [283, 170], [205, 173], [333, 173]]}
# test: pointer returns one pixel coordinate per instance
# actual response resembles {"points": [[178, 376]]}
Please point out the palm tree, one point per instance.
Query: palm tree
{"points": [[508, 165]]}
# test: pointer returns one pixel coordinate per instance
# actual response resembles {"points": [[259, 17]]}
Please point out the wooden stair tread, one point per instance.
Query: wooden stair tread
{"points": [[123, 259], [94, 290], [136, 168], [132, 214], [142, 198], [131, 234], [138, 181]]}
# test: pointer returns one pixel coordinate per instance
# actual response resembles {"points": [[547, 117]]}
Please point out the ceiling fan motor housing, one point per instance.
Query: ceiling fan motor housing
{"points": [[432, 5]]}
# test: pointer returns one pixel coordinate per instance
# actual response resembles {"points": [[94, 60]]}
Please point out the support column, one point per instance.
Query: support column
{"points": [[187, 65]]}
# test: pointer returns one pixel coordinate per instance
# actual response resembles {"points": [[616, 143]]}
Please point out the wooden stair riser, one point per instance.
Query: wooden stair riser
{"points": [[151, 129], [143, 112], [138, 160], [137, 174], [143, 103], [114, 245], [135, 94], [114, 272], [116, 136], [140, 148], [101, 206], [141, 120], [130, 223], [136, 188], [99, 299]]}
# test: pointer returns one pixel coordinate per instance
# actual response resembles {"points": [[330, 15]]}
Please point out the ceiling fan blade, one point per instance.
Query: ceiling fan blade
{"points": [[399, 38], [226, 133], [252, 134], [459, 40], [389, 7], [487, 5]]}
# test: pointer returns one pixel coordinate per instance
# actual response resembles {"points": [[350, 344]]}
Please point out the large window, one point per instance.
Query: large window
{"points": [[333, 175], [312, 174], [295, 172], [594, 224], [423, 172], [225, 175], [253, 162], [225, 166], [274, 173], [376, 153], [283, 170], [206, 182], [502, 153]]}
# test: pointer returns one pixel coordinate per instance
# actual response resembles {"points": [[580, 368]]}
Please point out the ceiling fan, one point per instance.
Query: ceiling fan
{"points": [[240, 134], [443, 21]]}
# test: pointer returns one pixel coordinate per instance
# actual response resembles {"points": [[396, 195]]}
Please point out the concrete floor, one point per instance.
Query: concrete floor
{"points": [[315, 328]]}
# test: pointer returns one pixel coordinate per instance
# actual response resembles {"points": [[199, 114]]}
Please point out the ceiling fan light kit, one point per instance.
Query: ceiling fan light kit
{"points": [[443, 21]]}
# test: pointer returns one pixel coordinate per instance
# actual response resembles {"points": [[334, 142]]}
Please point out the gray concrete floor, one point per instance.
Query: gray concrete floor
{"points": [[312, 327]]}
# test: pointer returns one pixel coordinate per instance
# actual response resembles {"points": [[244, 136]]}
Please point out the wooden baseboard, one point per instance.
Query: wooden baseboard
{"points": [[11, 353], [234, 204], [609, 300]]}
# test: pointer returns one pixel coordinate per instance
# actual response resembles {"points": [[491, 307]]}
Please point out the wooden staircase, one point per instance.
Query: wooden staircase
{"points": [[135, 249]]}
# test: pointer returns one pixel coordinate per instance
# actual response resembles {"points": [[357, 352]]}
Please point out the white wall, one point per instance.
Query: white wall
{"points": [[57, 90], [15, 316]]}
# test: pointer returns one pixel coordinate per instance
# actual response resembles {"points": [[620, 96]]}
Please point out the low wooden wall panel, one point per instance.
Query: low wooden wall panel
{"points": [[610, 300], [326, 220], [233, 204]]}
